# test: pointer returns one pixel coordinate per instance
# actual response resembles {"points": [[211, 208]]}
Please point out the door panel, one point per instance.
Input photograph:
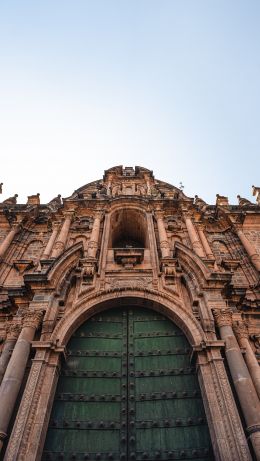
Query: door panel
{"points": [[128, 392]]}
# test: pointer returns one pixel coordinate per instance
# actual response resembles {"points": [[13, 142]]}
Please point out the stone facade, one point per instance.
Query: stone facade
{"points": [[130, 236]]}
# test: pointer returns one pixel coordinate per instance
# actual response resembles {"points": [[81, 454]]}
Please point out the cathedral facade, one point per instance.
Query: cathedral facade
{"points": [[130, 324]]}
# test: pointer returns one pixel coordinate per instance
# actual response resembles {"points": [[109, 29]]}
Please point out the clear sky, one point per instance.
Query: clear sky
{"points": [[169, 85]]}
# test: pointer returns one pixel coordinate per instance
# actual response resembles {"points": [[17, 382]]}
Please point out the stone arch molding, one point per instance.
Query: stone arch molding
{"points": [[64, 264], [97, 302], [29, 431]]}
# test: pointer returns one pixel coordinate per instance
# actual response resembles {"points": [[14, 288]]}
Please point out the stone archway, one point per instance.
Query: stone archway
{"points": [[29, 432], [128, 392]]}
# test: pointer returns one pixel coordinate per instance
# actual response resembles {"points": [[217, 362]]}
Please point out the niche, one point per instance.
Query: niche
{"points": [[128, 237]]}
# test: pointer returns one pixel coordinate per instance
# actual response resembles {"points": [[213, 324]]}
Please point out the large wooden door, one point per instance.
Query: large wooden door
{"points": [[128, 392]]}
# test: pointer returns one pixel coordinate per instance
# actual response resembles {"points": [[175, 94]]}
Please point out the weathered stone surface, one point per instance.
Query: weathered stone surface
{"points": [[129, 238]]}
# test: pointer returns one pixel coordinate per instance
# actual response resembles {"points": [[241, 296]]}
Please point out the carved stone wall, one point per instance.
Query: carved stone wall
{"points": [[60, 258]]}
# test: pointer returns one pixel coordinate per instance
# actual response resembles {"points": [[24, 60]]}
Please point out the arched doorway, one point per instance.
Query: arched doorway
{"points": [[128, 392]]}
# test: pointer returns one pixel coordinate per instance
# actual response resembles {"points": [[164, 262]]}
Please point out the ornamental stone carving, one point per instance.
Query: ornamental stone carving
{"points": [[223, 317], [129, 240], [33, 319], [240, 329], [13, 330]]}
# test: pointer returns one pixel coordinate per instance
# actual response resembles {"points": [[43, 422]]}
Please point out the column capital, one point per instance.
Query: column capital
{"points": [[223, 317], [164, 244], [240, 329], [32, 319], [237, 228], [188, 214], [159, 214], [69, 213], [256, 340], [93, 244], [58, 247], [55, 225], [200, 226], [16, 225], [13, 330], [99, 214]]}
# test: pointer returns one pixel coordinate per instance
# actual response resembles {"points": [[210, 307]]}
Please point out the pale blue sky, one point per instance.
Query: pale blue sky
{"points": [[169, 85]]}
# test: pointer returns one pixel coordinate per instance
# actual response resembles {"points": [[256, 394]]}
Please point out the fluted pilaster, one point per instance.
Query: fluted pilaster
{"points": [[163, 239], [195, 241], [61, 241], [93, 243]]}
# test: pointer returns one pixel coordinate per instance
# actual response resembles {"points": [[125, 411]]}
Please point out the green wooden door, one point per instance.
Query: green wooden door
{"points": [[128, 392]]}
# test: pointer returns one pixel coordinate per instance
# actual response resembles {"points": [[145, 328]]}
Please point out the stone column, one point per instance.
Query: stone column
{"points": [[49, 246], [13, 330], [196, 245], [164, 244], [251, 251], [63, 235], [242, 336], [109, 187], [9, 238], [245, 389], [205, 243], [148, 185], [93, 243], [15, 370], [31, 423]]}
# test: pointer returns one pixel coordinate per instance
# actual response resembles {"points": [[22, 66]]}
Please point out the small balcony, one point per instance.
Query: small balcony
{"points": [[128, 257]]}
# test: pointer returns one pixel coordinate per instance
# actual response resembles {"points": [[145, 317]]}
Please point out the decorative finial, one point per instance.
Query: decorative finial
{"points": [[11, 200]]}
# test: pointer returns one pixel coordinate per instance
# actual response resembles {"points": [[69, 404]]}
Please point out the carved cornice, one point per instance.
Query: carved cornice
{"points": [[223, 317]]}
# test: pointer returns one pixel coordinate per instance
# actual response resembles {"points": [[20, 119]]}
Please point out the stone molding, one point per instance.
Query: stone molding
{"points": [[170, 306]]}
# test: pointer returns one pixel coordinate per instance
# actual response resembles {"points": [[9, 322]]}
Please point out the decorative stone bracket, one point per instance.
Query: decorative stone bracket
{"points": [[87, 269], [168, 268], [216, 344], [23, 265], [230, 264], [129, 257]]}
